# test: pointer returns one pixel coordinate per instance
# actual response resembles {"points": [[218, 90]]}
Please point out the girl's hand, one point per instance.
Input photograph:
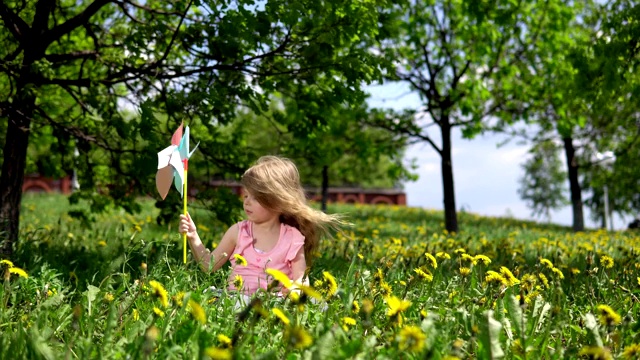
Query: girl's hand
{"points": [[187, 226]]}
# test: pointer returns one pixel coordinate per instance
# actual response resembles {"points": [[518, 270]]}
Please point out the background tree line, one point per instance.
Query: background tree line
{"points": [[113, 79]]}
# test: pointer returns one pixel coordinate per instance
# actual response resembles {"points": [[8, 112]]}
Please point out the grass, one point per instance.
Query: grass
{"points": [[395, 285]]}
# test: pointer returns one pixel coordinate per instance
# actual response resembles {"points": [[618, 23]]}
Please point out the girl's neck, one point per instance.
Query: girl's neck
{"points": [[268, 225]]}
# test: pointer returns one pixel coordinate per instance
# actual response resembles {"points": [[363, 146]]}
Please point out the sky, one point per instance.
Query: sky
{"points": [[486, 177]]}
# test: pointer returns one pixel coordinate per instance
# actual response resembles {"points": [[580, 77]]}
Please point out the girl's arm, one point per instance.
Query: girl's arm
{"points": [[203, 255], [299, 267]]}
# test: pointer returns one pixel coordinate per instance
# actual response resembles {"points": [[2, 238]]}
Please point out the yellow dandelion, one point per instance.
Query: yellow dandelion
{"points": [[240, 260], [308, 291], [469, 258], [108, 297], [159, 292], [158, 312], [606, 262], [385, 289], [332, 286], [238, 282], [443, 255], [631, 352], [432, 260], [465, 271], [178, 298], [6, 262], [18, 271], [279, 276], [512, 280], [355, 307], [547, 263], [224, 340], [544, 280], [493, 276], [411, 338], [424, 275], [348, 321], [102, 243], [197, 312], [595, 352], [460, 251], [297, 337], [483, 258], [558, 273], [396, 305], [608, 316], [216, 353], [281, 316], [575, 271], [135, 315]]}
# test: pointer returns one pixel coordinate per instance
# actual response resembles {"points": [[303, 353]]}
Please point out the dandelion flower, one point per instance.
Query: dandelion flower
{"points": [[606, 262], [240, 260], [297, 337], [238, 282], [355, 307], [224, 340], [197, 312], [108, 297], [493, 276], [544, 280], [547, 263], [631, 352], [396, 305], [348, 321], [469, 258], [443, 255], [331, 285], [158, 312], [465, 271], [512, 280], [135, 315], [460, 251], [411, 338], [18, 271], [432, 260], [218, 354], [595, 352], [558, 273], [160, 292], [485, 259], [385, 289], [179, 298], [281, 316], [575, 271], [6, 262], [608, 316], [424, 275], [280, 277]]}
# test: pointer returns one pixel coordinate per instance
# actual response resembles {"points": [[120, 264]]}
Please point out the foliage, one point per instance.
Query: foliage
{"points": [[76, 74], [405, 288], [542, 186], [464, 60]]}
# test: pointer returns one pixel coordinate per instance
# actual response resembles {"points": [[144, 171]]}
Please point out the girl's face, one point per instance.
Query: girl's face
{"points": [[256, 212]]}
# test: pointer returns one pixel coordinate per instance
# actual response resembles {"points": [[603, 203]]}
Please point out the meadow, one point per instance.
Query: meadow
{"points": [[395, 285]]}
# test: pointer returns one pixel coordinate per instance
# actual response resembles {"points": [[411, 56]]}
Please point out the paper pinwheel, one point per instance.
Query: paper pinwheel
{"points": [[173, 164]]}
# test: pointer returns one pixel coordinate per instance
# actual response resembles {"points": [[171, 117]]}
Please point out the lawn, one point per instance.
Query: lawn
{"points": [[394, 285]]}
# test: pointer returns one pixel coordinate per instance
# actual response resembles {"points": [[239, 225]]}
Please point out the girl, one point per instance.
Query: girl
{"points": [[281, 231]]}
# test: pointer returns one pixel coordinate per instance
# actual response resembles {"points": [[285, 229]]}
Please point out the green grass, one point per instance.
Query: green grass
{"points": [[89, 292]]}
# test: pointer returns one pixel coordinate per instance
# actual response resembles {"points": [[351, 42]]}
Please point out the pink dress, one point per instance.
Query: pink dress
{"points": [[290, 242]]}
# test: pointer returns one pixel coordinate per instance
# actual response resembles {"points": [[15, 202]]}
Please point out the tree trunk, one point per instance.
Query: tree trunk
{"points": [[12, 176], [574, 184], [450, 216], [325, 187]]}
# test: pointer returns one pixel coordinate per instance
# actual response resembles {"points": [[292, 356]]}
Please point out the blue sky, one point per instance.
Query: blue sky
{"points": [[486, 176]]}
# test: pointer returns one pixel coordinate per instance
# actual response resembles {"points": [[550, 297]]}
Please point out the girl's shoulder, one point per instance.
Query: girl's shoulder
{"points": [[292, 233]]}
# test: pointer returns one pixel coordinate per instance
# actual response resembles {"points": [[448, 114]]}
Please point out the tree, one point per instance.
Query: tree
{"points": [[71, 65], [541, 186], [462, 58]]}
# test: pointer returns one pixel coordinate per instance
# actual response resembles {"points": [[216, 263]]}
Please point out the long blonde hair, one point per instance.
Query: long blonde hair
{"points": [[275, 183]]}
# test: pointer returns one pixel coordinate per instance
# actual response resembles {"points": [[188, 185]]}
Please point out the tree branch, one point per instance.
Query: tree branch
{"points": [[13, 22]]}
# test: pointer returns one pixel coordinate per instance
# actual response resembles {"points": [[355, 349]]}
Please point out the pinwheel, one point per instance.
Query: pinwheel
{"points": [[173, 164]]}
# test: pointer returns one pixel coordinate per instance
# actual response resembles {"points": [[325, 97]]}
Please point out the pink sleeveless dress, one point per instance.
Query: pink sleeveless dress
{"points": [[290, 242]]}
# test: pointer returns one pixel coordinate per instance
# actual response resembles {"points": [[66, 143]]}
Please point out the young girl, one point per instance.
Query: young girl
{"points": [[281, 231]]}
